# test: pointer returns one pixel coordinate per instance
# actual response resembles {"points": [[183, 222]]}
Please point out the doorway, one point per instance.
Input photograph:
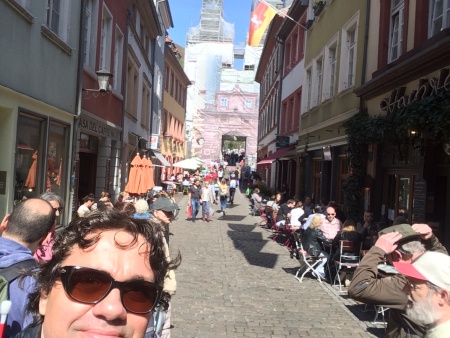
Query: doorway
{"points": [[87, 174]]}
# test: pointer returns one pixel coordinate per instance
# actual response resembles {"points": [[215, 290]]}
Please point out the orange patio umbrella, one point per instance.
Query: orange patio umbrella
{"points": [[134, 178]]}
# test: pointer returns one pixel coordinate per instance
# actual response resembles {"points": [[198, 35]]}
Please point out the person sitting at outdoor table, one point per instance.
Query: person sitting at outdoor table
{"points": [[284, 213], [348, 233], [257, 199], [316, 211], [367, 230], [331, 225], [296, 213], [273, 204], [312, 241]]}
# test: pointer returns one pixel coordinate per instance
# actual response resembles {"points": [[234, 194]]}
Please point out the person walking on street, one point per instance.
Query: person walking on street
{"points": [[233, 186], [194, 195], [206, 200], [223, 194]]}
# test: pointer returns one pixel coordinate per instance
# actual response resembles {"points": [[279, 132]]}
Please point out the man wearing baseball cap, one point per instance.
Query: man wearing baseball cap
{"points": [[399, 243], [428, 290]]}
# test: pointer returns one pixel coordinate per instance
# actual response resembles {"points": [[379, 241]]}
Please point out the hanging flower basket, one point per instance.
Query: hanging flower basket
{"points": [[318, 7]]}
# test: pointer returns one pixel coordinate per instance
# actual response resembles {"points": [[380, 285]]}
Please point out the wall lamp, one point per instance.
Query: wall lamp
{"points": [[103, 77]]}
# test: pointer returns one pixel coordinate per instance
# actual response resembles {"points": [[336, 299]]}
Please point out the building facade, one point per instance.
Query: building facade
{"points": [[100, 123], [38, 98], [407, 95], [173, 130], [333, 68]]}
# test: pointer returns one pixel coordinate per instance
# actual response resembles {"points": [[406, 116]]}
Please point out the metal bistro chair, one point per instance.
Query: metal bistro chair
{"points": [[308, 263], [348, 260]]}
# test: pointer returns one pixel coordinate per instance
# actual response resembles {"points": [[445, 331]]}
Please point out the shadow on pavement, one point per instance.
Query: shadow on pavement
{"points": [[250, 244], [232, 218]]}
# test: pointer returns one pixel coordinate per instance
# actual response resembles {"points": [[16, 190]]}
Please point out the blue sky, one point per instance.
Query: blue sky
{"points": [[186, 14]]}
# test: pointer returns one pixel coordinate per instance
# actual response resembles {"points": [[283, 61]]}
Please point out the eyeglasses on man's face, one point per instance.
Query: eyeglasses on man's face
{"points": [[91, 286]]}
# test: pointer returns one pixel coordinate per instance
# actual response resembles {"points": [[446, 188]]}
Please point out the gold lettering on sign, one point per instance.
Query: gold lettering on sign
{"points": [[426, 87]]}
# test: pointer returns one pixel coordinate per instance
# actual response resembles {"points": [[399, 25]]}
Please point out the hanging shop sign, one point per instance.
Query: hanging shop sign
{"points": [[426, 87]]}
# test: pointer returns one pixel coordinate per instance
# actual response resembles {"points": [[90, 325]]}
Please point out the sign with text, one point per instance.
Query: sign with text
{"points": [[97, 128], [154, 138]]}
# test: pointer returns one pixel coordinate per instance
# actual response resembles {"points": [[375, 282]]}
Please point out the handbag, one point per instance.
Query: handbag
{"points": [[189, 211], [211, 212]]}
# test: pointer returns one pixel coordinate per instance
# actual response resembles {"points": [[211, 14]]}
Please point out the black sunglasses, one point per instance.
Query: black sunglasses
{"points": [[58, 209], [91, 286]]}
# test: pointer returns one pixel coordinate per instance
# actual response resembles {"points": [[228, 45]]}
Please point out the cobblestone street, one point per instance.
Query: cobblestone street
{"points": [[234, 281]]}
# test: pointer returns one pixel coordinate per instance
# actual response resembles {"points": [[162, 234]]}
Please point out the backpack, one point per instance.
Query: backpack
{"points": [[9, 274]]}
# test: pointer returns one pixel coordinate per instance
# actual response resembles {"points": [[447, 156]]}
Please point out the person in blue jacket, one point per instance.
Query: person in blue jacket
{"points": [[24, 230]]}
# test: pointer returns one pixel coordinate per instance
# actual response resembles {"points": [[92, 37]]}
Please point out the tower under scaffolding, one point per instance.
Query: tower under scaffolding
{"points": [[212, 26]]}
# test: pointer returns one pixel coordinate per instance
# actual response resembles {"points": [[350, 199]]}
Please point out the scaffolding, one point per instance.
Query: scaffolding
{"points": [[212, 27]]}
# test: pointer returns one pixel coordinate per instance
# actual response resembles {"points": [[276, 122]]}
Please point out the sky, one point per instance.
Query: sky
{"points": [[186, 14]]}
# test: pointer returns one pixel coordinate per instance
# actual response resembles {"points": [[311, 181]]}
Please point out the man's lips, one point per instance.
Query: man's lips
{"points": [[101, 333]]}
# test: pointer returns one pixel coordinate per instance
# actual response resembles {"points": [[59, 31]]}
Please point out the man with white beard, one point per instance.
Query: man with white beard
{"points": [[428, 290]]}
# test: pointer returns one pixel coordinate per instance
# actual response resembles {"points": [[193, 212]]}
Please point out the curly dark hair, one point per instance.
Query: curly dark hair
{"points": [[77, 233]]}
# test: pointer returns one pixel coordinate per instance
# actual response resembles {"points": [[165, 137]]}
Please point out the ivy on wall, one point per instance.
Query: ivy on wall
{"points": [[429, 116]]}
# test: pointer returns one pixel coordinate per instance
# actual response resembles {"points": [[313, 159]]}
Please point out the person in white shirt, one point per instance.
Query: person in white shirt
{"points": [[88, 202], [296, 213]]}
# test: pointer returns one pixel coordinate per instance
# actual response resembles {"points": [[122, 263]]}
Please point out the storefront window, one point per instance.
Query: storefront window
{"points": [[399, 196], [29, 157], [41, 161], [57, 159]]}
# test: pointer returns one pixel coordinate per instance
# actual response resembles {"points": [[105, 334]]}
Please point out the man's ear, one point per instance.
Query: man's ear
{"points": [[43, 303], [4, 222], [444, 297]]}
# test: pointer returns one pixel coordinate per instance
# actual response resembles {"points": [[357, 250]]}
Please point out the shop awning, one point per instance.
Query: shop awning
{"points": [[161, 158], [273, 157]]}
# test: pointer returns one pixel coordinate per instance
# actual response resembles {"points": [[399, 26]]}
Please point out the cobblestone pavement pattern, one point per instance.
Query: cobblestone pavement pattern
{"points": [[234, 281]]}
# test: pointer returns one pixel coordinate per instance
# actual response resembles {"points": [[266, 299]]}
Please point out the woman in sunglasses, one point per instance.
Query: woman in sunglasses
{"points": [[105, 279]]}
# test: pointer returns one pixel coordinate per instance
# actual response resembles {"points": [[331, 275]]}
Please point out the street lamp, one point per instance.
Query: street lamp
{"points": [[103, 77]]}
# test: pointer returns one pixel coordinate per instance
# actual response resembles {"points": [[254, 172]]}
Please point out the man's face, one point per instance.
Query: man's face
{"points": [[368, 217], [64, 317], [307, 200], [291, 205], [331, 214], [422, 304], [56, 209], [197, 183]]}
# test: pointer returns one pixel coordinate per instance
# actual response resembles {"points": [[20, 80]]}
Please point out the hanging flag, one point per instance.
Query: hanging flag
{"points": [[260, 17]]}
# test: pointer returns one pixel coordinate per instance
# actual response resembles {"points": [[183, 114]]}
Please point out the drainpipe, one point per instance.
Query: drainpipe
{"points": [[78, 97], [124, 90]]}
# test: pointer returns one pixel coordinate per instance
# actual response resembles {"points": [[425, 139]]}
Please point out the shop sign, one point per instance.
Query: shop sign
{"points": [[427, 87], [154, 138], [282, 141], [98, 129]]}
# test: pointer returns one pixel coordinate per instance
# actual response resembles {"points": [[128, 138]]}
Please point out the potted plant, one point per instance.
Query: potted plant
{"points": [[318, 6]]}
